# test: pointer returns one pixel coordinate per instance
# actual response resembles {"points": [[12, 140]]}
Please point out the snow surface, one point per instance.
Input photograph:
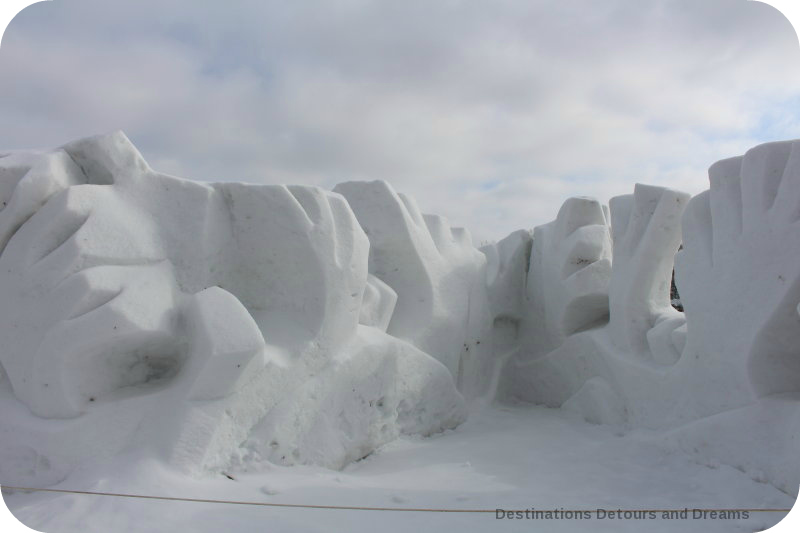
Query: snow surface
{"points": [[146, 310], [728, 366], [160, 335], [439, 277], [506, 457]]}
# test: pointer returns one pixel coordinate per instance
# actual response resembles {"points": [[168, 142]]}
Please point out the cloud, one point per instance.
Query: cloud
{"points": [[542, 99]]}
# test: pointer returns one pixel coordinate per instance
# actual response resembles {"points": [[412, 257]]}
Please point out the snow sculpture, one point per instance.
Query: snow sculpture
{"points": [[646, 235], [220, 324], [740, 276], [566, 294], [590, 315], [507, 267], [27, 181], [401, 255], [291, 255], [398, 391], [226, 344], [439, 278], [192, 312], [117, 331], [723, 377], [378, 304], [568, 277], [506, 270]]}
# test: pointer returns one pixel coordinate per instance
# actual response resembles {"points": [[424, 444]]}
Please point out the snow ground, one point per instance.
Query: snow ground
{"points": [[509, 457]]}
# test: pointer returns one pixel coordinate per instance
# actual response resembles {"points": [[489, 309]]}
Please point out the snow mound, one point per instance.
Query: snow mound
{"points": [[740, 274], [438, 276], [569, 274], [217, 325], [378, 389], [378, 304], [153, 312], [507, 266], [734, 351], [226, 344]]}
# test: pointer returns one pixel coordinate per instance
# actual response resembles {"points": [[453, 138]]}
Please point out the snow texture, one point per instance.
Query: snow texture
{"points": [[711, 375], [646, 234], [151, 311], [378, 304], [506, 271], [568, 276], [439, 277], [218, 325]]}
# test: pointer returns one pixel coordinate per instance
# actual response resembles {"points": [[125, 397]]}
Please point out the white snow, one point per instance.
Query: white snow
{"points": [[210, 308], [646, 233], [568, 276], [377, 306], [732, 354], [439, 278], [160, 335], [226, 345], [510, 457]]}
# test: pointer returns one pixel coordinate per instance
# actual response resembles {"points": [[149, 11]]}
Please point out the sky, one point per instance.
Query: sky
{"points": [[490, 113]]}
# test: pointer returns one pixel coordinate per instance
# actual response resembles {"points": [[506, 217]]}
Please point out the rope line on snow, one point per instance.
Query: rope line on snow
{"points": [[359, 508]]}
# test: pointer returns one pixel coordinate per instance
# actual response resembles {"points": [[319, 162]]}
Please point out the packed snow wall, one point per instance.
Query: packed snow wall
{"points": [[438, 276], [217, 325], [601, 338], [214, 322]]}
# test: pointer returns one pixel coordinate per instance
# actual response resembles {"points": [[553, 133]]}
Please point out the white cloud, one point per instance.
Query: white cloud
{"points": [[541, 99]]}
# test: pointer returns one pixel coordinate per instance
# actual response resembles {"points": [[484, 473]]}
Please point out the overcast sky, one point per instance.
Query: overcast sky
{"points": [[490, 113]]}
